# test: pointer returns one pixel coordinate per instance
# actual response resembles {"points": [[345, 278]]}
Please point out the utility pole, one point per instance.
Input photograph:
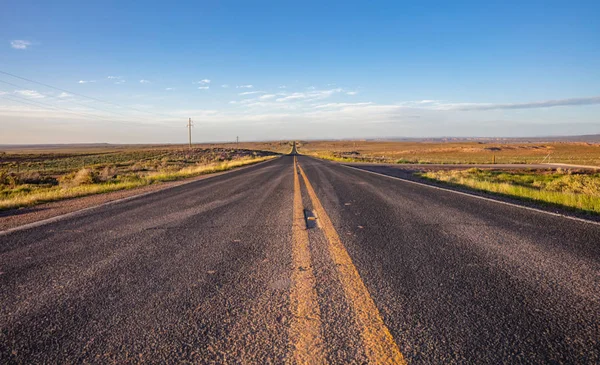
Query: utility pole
{"points": [[237, 141], [190, 125]]}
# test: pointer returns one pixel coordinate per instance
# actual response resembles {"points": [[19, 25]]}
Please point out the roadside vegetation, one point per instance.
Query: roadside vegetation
{"points": [[567, 188], [451, 152], [28, 179]]}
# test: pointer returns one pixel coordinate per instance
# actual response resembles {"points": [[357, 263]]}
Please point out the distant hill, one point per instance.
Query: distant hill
{"points": [[590, 138]]}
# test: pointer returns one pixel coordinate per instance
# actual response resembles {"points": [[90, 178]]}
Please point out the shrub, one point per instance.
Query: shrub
{"points": [[108, 173], [83, 177]]}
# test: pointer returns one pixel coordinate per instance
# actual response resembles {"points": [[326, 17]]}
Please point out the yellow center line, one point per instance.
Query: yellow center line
{"points": [[305, 329], [378, 342]]}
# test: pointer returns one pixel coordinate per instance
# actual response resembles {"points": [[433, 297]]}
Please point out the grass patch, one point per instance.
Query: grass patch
{"points": [[562, 188], [87, 181]]}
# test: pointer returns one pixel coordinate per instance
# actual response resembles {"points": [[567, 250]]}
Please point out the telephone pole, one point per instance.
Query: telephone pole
{"points": [[237, 141], [190, 125]]}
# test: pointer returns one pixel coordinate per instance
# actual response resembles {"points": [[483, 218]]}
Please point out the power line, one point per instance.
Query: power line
{"points": [[71, 101], [38, 104], [83, 96]]}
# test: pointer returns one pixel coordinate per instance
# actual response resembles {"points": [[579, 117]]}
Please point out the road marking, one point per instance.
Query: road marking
{"points": [[379, 345], [305, 329], [474, 196]]}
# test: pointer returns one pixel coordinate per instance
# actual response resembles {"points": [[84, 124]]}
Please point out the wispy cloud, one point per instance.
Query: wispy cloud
{"points": [[203, 87], [20, 44], [531, 105], [64, 95], [169, 88], [341, 105], [282, 87], [202, 82], [33, 94], [245, 87], [310, 95], [250, 93], [225, 86], [267, 96], [352, 93], [441, 105], [143, 81], [118, 80], [86, 81]]}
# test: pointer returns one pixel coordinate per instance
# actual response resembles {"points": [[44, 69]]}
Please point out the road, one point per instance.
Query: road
{"points": [[224, 270]]}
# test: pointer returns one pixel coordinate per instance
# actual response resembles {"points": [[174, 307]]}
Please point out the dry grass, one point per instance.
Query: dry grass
{"points": [[562, 188], [577, 153]]}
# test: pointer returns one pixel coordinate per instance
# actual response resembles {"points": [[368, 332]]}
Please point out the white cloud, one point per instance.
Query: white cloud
{"points": [[352, 93], [341, 105], [531, 105], [249, 93], [282, 87], [225, 86], [203, 87], [440, 105], [245, 87], [294, 96], [118, 80], [269, 119], [202, 82], [64, 95], [33, 94], [267, 96], [310, 95], [86, 81], [20, 44], [142, 81], [169, 89]]}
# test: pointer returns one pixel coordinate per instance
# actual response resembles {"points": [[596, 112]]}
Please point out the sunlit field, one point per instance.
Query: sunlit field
{"points": [[578, 153], [572, 189], [35, 175]]}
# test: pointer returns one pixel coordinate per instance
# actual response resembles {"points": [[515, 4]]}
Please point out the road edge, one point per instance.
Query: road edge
{"points": [[465, 193], [74, 213], [478, 196]]}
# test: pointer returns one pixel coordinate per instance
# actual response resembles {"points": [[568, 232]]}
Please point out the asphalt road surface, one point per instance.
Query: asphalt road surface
{"points": [[224, 270]]}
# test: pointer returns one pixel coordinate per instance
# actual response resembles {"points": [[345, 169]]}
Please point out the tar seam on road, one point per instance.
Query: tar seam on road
{"points": [[122, 200], [305, 328], [475, 196], [378, 342]]}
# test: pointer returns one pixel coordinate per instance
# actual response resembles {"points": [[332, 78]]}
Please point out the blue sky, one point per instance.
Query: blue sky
{"points": [[283, 70]]}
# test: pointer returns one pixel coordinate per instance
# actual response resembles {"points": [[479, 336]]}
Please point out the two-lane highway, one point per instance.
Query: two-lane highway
{"points": [[223, 270]]}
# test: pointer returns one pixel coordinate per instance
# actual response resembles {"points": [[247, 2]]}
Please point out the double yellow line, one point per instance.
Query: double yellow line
{"points": [[378, 343], [305, 330]]}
